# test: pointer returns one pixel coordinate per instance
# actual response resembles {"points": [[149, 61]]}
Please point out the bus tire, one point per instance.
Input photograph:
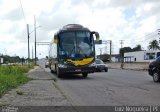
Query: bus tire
{"points": [[84, 75], [59, 75], [51, 69]]}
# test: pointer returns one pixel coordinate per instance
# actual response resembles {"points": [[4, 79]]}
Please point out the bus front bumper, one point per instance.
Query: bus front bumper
{"points": [[76, 70]]}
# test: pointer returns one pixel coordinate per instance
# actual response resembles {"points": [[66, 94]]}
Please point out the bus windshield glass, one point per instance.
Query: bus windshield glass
{"points": [[76, 45]]}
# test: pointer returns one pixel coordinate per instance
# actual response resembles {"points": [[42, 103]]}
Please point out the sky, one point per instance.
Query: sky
{"points": [[134, 21]]}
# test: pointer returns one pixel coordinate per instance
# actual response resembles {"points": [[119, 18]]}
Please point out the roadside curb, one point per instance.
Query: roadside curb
{"points": [[130, 69], [54, 78], [35, 67]]}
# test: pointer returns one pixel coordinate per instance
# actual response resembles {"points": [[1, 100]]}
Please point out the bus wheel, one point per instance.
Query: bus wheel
{"points": [[52, 71], [58, 73], [84, 75]]}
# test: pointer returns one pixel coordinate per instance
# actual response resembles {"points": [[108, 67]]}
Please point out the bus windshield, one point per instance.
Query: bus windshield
{"points": [[76, 45]]}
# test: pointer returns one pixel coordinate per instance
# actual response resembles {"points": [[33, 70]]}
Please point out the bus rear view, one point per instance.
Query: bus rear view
{"points": [[73, 51]]}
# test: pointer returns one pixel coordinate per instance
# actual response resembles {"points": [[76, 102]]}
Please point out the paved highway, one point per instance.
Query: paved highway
{"points": [[116, 87]]}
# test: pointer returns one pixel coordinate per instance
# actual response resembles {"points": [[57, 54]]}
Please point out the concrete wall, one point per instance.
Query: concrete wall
{"points": [[131, 66]]}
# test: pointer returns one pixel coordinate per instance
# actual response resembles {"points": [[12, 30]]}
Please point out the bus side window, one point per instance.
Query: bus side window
{"points": [[158, 54], [158, 59]]}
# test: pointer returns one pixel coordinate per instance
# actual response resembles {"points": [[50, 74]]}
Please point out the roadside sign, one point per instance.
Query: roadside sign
{"points": [[98, 42]]}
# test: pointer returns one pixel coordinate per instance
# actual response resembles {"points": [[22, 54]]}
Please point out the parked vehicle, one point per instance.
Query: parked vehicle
{"points": [[154, 69], [100, 66]]}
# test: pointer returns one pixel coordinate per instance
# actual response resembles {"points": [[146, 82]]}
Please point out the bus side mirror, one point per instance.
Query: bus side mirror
{"points": [[96, 35], [55, 39]]}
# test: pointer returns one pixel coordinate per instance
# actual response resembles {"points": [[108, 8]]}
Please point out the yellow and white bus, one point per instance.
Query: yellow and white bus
{"points": [[73, 50]]}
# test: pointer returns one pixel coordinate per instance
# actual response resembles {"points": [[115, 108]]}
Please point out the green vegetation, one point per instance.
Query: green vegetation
{"points": [[104, 57], [129, 49], [15, 59], [12, 59], [154, 45], [12, 76]]}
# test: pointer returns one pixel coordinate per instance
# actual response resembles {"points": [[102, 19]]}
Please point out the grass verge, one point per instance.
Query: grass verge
{"points": [[12, 76]]}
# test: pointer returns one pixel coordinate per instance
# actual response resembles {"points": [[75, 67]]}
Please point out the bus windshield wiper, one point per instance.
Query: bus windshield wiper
{"points": [[84, 54], [70, 54]]}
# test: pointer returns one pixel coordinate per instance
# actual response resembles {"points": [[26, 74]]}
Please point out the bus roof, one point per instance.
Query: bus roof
{"points": [[73, 27]]}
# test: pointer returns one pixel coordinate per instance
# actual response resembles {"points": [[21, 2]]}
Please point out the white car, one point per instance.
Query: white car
{"points": [[100, 66]]}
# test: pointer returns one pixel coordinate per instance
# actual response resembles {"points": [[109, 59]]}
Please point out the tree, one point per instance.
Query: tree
{"points": [[124, 49], [104, 57], [137, 48], [11, 59], [129, 49], [153, 45]]}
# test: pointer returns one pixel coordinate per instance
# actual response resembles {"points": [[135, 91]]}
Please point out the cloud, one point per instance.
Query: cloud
{"points": [[80, 2], [14, 15], [113, 19], [56, 19], [148, 9]]}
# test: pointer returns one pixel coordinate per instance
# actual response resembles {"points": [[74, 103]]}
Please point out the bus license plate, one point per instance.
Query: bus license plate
{"points": [[78, 70]]}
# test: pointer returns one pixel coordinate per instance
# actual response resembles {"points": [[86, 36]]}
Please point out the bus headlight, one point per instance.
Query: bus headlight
{"points": [[92, 65], [62, 66]]}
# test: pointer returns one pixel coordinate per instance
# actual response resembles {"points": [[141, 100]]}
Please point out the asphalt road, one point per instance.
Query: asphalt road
{"points": [[116, 87]]}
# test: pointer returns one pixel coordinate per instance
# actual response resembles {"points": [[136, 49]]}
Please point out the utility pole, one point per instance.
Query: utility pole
{"points": [[32, 53], [28, 43], [100, 51], [105, 48], [121, 42], [35, 40], [110, 50]]}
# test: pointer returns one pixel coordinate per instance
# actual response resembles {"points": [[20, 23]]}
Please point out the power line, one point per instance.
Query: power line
{"points": [[23, 11], [148, 39]]}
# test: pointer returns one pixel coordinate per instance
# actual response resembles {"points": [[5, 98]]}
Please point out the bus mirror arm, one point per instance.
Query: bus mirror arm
{"points": [[96, 34]]}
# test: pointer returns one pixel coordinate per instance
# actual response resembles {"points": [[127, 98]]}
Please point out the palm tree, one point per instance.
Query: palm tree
{"points": [[154, 45]]}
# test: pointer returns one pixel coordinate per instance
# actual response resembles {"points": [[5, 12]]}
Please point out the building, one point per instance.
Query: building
{"points": [[1, 58], [116, 58], [141, 56]]}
